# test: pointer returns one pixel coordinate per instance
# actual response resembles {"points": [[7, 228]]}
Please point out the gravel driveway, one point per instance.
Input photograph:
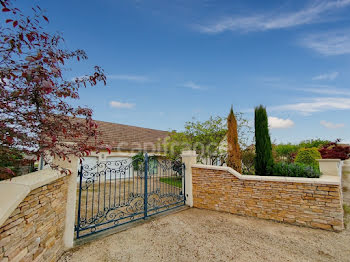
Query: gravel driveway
{"points": [[202, 235]]}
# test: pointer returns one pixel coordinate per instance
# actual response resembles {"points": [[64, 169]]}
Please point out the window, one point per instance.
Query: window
{"points": [[153, 166]]}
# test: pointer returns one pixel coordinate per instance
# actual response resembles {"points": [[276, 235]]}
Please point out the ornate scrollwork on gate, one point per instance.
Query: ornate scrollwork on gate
{"points": [[112, 193]]}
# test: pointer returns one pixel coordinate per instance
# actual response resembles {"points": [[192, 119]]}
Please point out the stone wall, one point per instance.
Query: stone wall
{"points": [[308, 202], [34, 230]]}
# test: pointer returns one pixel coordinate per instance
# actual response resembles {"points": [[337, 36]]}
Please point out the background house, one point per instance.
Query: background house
{"points": [[125, 141]]}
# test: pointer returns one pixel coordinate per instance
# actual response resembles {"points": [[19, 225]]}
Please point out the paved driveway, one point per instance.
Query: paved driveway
{"points": [[201, 235]]}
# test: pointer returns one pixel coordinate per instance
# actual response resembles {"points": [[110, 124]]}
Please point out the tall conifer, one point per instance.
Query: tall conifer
{"points": [[234, 153], [263, 147]]}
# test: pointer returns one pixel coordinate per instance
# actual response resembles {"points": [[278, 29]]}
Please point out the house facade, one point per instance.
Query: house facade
{"points": [[125, 141]]}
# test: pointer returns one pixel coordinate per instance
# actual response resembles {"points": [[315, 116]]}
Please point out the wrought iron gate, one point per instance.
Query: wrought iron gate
{"points": [[113, 193]]}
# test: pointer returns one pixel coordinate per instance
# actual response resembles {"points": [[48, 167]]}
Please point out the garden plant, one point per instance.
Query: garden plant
{"points": [[234, 159], [35, 115], [263, 148], [335, 151], [308, 156]]}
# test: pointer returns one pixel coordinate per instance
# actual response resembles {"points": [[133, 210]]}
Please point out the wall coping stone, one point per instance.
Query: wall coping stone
{"points": [[189, 153], [329, 180], [14, 191], [329, 160]]}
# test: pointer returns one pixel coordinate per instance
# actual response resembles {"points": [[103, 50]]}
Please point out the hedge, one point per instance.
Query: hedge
{"points": [[295, 170]]}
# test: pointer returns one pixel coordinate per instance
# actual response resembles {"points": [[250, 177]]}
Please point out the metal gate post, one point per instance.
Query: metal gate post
{"points": [[145, 200], [80, 173]]}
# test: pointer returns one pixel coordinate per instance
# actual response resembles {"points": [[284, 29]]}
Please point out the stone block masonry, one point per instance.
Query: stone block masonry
{"points": [[34, 230], [315, 203]]}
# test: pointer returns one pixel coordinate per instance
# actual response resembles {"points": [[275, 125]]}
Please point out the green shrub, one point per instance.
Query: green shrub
{"points": [[138, 161], [263, 148], [346, 209], [346, 215], [13, 160], [248, 156], [295, 170], [318, 143], [285, 152], [308, 157]]}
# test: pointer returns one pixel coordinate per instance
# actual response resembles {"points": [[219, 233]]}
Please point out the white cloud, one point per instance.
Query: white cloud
{"points": [[316, 12], [331, 125], [327, 76], [132, 78], [275, 122], [316, 105], [117, 104], [329, 43], [192, 85], [325, 90]]}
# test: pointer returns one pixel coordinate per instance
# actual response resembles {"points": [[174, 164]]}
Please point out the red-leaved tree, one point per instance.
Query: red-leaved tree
{"points": [[35, 117], [335, 151]]}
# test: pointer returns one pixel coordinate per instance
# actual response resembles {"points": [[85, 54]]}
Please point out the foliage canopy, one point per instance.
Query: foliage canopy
{"points": [[263, 148], [35, 116], [233, 149], [207, 137], [335, 151], [308, 157], [295, 170], [287, 152]]}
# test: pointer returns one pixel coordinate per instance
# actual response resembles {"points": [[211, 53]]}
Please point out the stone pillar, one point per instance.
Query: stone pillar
{"points": [[346, 166], [68, 236], [346, 181], [330, 167], [189, 158]]}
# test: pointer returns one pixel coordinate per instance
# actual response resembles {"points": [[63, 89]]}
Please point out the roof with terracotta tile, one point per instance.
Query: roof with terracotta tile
{"points": [[133, 138]]}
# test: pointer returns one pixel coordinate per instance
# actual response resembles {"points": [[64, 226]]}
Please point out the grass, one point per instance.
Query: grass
{"points": [[346, 209], [346, 214], [174, 181]]}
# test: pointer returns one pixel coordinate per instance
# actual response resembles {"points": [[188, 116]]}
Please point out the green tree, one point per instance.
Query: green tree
{"points": [[263, 147], [203, 137], [318, 143], [233, 150], [285, 152], [207, 138]]}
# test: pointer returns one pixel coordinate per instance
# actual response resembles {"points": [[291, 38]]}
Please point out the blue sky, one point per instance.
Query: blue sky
{"points": [[169, 61]]}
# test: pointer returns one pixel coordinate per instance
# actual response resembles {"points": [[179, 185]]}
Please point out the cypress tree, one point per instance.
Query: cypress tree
{"points": [[263, 147], [234, 153]]}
